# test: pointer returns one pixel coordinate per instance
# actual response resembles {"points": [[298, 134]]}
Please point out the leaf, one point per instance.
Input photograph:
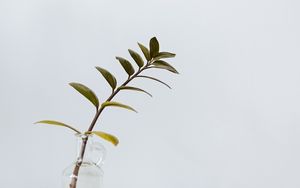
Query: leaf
{"points": [[137, 58], [108, 77], [162, 55], [154, 47], [134, 88], [155, 79], [164, 65], [117, 104], [145, 51], [108, 137], [85, 91], [57, 123], [126, 65]]}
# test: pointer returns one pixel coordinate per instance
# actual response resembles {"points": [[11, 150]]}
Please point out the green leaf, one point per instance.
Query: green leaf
{"points": [[108, 137], [134, 89], [155, 79], [137, 58], [145, 51], [57, 123], [163, 65], [86, 92], [117, 104], [162, 55], [126, 65], [108, 77], [154, 47]]}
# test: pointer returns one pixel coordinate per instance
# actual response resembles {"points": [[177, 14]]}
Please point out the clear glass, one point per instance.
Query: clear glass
{"points": [[90, 173]]}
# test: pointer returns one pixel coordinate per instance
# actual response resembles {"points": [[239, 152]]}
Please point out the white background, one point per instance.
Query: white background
{"points": [[230, 121]]}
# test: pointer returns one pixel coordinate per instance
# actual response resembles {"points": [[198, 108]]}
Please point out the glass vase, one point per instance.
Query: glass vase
{"points": [[90, 173]]}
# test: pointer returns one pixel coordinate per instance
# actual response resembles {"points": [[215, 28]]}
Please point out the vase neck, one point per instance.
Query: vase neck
{"points": [[85, 142]]}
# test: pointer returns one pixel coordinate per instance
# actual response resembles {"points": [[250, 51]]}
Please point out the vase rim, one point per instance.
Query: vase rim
{"points": [[83, 136]]}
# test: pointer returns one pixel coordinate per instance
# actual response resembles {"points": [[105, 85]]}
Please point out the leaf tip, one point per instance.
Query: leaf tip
{"points": [[72, 84], [116, 143], [153, 38], [40, 122]]}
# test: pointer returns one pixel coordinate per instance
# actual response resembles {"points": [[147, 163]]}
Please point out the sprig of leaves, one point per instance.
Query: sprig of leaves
{"points": [[153, 59]]}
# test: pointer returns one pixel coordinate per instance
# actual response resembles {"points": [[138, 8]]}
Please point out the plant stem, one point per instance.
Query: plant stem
{"points": [[93, 123]]}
